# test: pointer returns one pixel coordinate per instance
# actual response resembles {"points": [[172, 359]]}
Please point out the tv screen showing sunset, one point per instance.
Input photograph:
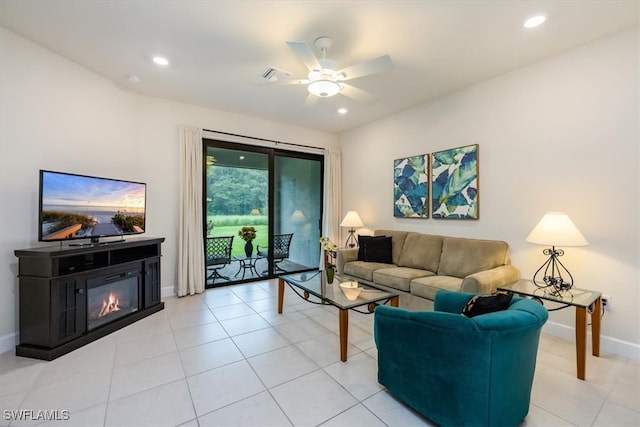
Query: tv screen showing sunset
{"points": [[77, 206]]}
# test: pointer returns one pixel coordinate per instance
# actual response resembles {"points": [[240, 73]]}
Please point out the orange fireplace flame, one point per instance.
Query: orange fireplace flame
{"points": [[109, 305]]}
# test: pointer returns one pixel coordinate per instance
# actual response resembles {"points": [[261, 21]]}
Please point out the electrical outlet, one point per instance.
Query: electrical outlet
{"points": [[606, 302]]}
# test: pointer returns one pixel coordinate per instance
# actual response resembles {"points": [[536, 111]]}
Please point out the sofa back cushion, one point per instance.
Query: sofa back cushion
{"points": [[397, 242], [462, 257], [421, 251]]}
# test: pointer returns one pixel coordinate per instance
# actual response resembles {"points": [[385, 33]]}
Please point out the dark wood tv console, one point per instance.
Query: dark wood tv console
{"points": [[73, 295]]}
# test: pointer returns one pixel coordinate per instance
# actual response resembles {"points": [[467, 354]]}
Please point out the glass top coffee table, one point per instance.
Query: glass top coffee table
{"points": [[315, 284]]}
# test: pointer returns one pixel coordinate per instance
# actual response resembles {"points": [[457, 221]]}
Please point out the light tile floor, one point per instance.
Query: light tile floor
{"points": [[226, 358]]}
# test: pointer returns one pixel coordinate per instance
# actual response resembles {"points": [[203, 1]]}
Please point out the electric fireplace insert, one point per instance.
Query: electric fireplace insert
{"points": [[112, 297]]}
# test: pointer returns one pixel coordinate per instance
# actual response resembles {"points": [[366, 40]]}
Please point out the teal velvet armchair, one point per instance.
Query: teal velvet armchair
{"points": [[460, 371]]}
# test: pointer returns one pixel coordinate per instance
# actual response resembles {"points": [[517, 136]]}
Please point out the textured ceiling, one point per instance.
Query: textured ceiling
{"points": [[218, 49]]}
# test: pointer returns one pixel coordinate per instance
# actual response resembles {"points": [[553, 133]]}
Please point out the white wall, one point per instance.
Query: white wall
{"points": [[558, 135], [57, 115]]}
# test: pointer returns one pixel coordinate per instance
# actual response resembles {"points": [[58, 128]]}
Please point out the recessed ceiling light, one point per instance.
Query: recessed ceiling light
{"points": [[342, 110], [534, 21], [133, 78], [160, 60]]}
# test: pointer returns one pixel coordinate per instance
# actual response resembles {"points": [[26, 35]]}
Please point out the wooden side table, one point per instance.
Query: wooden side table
{"points": [[582, 300]]}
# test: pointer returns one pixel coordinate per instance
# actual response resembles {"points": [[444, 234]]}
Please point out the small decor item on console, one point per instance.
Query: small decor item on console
{"points": [[555, 228]]}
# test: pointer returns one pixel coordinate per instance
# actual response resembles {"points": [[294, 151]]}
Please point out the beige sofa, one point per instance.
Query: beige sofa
{"points": [[422, 264]]}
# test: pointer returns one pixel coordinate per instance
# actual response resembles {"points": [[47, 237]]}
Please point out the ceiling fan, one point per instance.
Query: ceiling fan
{"points": [[325, 79]]}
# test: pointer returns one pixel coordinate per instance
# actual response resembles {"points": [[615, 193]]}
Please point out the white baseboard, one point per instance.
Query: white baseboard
{"points": [[8, 342], [607, 344], [167, 291]]}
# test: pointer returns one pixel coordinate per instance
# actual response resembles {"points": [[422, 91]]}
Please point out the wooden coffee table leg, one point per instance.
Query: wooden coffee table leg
{"points": [[596, 317], [581, 341], [280, 295], [344, 334], [394, 301]]}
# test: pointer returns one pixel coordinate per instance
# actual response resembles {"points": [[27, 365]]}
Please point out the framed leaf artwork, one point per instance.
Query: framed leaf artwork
{"points": [[454, 183], [411, 186]]}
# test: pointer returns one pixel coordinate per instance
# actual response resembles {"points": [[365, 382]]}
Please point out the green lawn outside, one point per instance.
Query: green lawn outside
{"points": [[262, 232]]}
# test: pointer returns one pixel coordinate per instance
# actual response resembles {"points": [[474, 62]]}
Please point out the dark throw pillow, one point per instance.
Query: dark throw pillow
{"points": [[374, 249], [362, 245], [483, 304], [378, 250]]}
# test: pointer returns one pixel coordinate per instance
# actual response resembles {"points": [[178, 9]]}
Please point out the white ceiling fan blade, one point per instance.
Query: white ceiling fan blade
{"points": [[305, 54], [372, 66], [311, 100], [356, 94], [284, 82]]}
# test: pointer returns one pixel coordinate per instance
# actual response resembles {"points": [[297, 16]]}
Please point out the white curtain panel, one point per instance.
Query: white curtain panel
{"points": [[332, 197], [191, 274]]}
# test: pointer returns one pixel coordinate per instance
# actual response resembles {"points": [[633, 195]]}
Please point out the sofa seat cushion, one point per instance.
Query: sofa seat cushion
{"points": [[462, 257], [364, 270], [398, 277], [426, 287], [421, 251]]}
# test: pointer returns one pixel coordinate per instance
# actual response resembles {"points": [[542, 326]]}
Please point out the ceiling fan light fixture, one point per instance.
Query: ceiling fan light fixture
{"points": [[314, 75], [324, 88]]}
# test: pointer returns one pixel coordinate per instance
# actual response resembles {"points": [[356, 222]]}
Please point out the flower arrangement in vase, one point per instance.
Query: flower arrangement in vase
{"points": [[330, 253], [247, 234]]}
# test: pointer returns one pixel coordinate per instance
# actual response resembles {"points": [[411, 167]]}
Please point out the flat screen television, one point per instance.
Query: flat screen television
{"points": [[88, 207]]}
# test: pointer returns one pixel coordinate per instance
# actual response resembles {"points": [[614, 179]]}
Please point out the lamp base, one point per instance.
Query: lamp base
{"points": [[351, 242], [553, 282]]}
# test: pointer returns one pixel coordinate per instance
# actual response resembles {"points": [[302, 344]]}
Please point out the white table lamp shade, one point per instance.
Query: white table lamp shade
{"points": [[556, 229], [352, 219]]}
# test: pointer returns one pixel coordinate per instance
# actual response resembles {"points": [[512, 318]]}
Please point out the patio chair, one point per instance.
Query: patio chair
{"points": [[281, 244], [218, 256]]}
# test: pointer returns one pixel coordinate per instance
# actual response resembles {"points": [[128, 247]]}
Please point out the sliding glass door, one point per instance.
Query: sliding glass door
{"points": [[297, 210], [262, 212]]}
